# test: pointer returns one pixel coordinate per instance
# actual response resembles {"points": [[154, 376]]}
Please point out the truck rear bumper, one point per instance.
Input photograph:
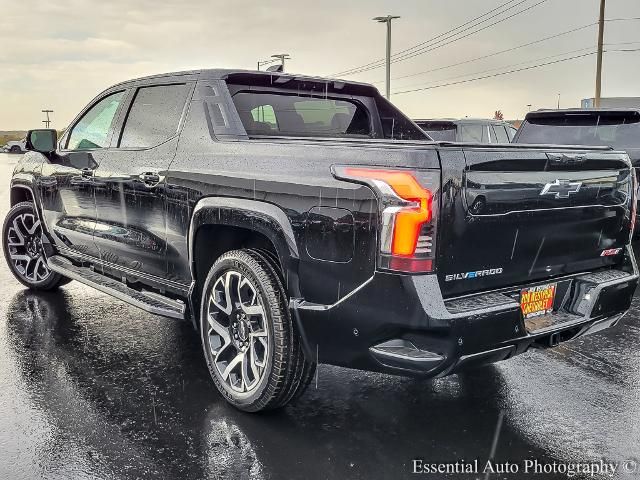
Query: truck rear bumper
{"points": [[402, 325]]}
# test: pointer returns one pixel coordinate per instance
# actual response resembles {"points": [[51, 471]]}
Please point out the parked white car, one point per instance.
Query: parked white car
{"points": [[16, 146]]}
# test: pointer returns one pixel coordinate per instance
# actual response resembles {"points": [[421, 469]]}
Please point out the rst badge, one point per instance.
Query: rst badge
{"points": [[471, 275], [610, 252]]}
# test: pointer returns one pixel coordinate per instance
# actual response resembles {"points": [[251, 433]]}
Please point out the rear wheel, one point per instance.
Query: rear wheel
{"points": [[252, 349], [15, 149], [23, 249]]}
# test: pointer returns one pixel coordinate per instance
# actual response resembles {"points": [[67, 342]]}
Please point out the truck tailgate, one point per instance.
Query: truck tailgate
{"points": [[516, 216]]}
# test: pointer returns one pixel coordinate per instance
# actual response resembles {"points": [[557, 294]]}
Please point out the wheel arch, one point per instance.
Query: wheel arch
{"points": [[21, 193], [220, 224]]}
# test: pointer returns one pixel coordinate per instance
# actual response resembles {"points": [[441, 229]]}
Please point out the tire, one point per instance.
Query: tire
{"points": [[252, 349], [15, 149], [23, 250], [304, 369], [307, 376]]}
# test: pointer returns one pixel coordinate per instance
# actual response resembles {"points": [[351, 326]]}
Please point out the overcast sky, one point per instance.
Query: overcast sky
{"points": [[60, 54]]}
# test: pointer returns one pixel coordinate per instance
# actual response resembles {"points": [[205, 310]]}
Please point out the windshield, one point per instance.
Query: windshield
{"points": [[618, 131]]}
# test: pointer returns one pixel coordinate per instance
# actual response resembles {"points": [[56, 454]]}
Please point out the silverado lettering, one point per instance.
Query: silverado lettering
{"points": [[479, 273]]}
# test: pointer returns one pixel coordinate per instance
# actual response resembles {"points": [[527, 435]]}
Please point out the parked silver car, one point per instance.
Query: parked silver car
{"points": [[16, 146], [476, 130]]}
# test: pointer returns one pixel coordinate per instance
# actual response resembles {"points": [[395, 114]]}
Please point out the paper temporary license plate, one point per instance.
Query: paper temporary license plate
{"points": [[537, 301]]}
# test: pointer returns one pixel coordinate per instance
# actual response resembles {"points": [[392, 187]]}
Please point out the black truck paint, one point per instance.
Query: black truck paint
{"points": [[155, 219]]}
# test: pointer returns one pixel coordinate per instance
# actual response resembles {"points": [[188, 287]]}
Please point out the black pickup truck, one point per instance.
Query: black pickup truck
{"points": [[297, 220]]}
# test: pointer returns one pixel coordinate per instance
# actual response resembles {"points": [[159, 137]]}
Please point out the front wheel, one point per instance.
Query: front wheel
{"points": [[23, 249], [252, 349], [15, 149]]}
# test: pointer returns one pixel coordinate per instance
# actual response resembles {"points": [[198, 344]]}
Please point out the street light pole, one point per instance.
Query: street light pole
{"points": [[599, 61], [387, 20]]}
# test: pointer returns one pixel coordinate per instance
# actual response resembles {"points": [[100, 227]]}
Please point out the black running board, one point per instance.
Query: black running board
{"points": [[149, 302]]}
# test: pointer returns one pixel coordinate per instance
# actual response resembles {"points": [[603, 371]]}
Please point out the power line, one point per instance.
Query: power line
{"points": [[412, 51], [406, 50], [510, 71], [421, 52], [434, 38], [573, 30], [375, 63], [536, 60], [495, 53], [592, 48], [439, 44]]}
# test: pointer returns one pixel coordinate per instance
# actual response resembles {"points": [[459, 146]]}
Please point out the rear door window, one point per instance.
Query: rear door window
{"points": [[154, 115], [501, 133], [492, 134], [473, 132], [293, 115]]}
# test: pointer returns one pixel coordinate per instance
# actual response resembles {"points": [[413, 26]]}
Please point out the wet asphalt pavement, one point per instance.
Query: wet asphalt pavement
{"points": [[93, 388]]}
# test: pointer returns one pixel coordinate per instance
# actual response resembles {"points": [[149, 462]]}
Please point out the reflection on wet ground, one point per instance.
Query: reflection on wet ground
{"points": [[93, 388]]}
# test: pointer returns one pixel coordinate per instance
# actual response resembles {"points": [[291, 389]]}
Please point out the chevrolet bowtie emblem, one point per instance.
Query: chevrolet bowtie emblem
{"points": [[561, 188]]}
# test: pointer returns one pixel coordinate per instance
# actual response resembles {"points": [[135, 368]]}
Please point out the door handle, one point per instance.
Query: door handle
{"points": [[87, 172], [149, 178]]}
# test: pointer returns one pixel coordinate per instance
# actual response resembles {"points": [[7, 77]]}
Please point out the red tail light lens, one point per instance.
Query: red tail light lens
{"points": [[407, 205]]}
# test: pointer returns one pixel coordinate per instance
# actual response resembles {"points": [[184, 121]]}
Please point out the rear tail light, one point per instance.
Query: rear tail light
{"points": [[408, 201]]}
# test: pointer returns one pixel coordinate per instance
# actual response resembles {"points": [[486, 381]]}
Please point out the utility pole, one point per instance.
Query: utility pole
{"points": [[47, 122], [282, 57], [558, 101], [599, 64], [387, 20]]}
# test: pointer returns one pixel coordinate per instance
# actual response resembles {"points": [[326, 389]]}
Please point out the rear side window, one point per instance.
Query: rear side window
{"points": [[501, 134], [154, 115], [473, 132], [280, 114]]}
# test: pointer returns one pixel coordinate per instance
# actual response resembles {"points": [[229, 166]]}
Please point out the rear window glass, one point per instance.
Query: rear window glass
{"points": [[439, 131], [618, 131], [278, 114]]}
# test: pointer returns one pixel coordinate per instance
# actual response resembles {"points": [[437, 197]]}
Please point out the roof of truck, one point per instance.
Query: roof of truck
{"points": [[461, 120], [578, 111], [223, 73]]}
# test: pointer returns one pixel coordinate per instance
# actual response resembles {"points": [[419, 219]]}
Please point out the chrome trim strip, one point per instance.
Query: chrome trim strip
{"points": [[435, 359], [623, 204], [300, 304]]}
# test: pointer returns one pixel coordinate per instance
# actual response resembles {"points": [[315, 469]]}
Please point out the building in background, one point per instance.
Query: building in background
{"points": [[612, 102]]}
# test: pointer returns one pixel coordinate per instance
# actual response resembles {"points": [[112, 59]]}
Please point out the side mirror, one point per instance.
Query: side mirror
{"points": [[42, 140]]}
